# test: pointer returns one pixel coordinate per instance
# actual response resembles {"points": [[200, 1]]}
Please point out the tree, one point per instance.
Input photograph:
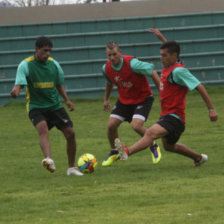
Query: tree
{"points": [[29, 3], [112, 0], [89, 1], [4, 4]]}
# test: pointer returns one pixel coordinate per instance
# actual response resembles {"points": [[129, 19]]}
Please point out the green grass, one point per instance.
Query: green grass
{"points": [[129, 192]]}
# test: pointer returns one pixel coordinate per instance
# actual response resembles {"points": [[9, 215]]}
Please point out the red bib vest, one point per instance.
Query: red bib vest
{"points": [[132, 88], [172, 96]]}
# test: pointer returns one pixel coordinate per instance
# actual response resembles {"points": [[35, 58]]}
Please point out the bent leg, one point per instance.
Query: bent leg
{"points": [[181, 149], [43, 132], [112, 130], [151, 134], [71, 145], [138, 126]]}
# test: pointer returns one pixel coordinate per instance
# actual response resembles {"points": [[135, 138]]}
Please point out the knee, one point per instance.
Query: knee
{"points": [[150, 133], [136, 127], [111, 126], [42, 129], [69, 134], [170, 148]]}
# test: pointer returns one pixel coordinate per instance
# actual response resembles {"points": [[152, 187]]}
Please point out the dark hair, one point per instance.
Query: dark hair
{"points": [[172, 47], [112, 44], [43, 41]]}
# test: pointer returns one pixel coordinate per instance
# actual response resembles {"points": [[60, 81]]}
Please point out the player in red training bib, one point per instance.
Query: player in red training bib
{"points": [[135, 100], [175, 82]]}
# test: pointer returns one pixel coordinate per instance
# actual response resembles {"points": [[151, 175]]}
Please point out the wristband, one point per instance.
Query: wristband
{"points": [[212, 109]]}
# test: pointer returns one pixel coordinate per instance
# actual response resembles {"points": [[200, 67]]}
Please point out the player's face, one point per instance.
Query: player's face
{"points": [[114, 55], [167, 58], [43, 53]]}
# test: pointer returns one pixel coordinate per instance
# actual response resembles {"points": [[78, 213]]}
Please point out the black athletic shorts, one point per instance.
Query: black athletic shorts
{"points": [[58, 118], [126, 112], [174, 126]]}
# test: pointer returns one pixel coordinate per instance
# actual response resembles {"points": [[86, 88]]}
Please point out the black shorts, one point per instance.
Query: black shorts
{"points": [[126, 112], [58, 118], [174, 126]]}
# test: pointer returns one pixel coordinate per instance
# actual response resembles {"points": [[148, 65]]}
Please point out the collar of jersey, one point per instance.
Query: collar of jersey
{"points": [[118, 68]]}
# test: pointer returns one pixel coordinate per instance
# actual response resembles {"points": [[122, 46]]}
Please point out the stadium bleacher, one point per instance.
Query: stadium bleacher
{"points": [[79, 46]]}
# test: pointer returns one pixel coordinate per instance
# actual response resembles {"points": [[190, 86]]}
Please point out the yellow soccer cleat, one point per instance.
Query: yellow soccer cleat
{"points": [[113, 156], [156, 154]]}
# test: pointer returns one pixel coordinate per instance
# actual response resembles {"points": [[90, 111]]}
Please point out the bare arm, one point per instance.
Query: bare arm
{"points": [[109, 87], [62, 92], [16, 91], [156, 79], [158, 34], [204, 94]]}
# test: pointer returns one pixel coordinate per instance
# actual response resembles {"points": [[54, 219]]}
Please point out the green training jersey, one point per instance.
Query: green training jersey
{"points": [[40, 79]]}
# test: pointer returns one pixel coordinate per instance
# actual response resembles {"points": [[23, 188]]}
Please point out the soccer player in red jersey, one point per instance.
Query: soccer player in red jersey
{"points": [[175, 82], [135, 100]]}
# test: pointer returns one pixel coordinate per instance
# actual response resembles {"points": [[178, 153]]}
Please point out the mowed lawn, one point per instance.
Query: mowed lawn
{"points": [[129, 192]]}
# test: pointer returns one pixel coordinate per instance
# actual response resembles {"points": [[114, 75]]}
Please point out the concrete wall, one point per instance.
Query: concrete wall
{"points": [[106, 10]]}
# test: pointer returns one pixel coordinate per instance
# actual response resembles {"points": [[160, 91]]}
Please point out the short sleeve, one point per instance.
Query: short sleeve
{"points": [[183, 77], [22, 73], [141, 67], [104, 74], [60, 73]]}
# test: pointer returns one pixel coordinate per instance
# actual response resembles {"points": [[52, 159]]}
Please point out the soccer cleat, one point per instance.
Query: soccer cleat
{"points": [[48, 163], [113, 156], [74, 171], [123, 150], [156, 154], [203, 159]]}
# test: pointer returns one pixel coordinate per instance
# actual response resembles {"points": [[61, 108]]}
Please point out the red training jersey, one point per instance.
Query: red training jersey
{"points": [[133, 88], [172, 96]]}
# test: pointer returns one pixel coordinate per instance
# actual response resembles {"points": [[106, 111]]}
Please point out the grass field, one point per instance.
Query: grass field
{"points": [[129, 192]]}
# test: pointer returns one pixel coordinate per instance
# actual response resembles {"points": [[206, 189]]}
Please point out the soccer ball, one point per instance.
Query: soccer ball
{"points": [[87, 163]]}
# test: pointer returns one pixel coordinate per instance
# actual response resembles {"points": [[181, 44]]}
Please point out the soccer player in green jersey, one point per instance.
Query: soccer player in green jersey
{"points": [[44, 79]]}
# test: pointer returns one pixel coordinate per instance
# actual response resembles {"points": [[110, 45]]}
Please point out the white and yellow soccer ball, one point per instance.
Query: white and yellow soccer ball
{"points": [[87, 163]]}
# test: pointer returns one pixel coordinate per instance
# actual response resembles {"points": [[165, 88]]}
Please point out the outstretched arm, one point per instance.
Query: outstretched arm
{"points": [[109, 87], [204, 94], [62, 92], [158, 34], [16, 90]]}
